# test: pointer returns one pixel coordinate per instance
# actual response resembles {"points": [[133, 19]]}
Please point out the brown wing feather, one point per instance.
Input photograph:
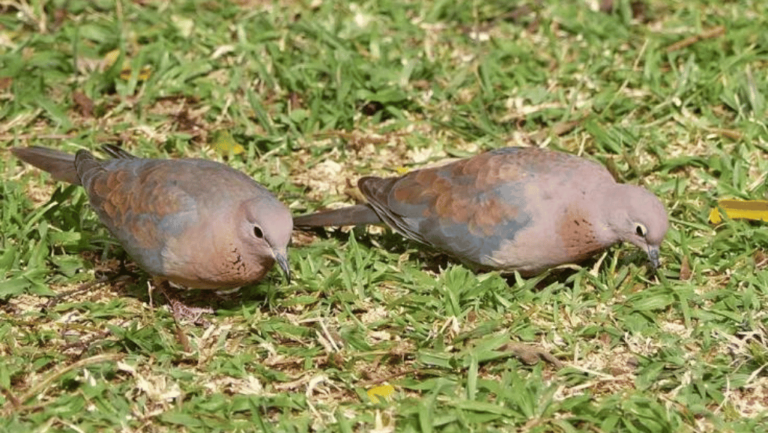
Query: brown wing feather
{"points": [[138, 203]]}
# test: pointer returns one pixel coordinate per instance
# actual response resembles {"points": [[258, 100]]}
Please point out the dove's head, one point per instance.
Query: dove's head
{"points": [[636, 215], [264, 231]]}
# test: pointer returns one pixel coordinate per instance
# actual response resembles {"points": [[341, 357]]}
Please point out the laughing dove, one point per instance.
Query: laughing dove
{"points": [[520, 209], [196, 223]]}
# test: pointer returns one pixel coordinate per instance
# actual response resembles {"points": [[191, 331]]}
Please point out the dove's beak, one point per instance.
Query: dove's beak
{"points": [[281, 257], [653, 256]]}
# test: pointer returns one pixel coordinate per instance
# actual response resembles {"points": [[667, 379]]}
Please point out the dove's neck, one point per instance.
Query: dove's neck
{"points": [[612, 212]]}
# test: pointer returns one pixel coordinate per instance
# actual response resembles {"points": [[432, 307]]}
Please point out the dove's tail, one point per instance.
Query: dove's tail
{"points": [[117, 152], [347, 216], [61, 165]]}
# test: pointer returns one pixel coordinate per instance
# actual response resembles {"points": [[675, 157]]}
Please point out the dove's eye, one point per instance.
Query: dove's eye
{"points": [[640, 230], [257, 232]]}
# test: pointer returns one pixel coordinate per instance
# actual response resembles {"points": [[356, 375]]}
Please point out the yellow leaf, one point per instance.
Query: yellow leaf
{"points": [[756, 210], [144, 73], [110, 58], [125, 73], [714, 216], [383, 391], [401, 170], [223, 143]]}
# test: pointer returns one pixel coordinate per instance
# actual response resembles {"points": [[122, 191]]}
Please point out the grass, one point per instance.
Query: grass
{"points": [[668, 95]]}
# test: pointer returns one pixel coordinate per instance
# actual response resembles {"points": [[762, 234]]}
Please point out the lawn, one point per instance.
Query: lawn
{"points": [[376, 333]]}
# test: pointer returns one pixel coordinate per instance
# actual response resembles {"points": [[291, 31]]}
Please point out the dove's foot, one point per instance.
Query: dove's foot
{"points": [[531, 354], [180, 310], [183, 311]]}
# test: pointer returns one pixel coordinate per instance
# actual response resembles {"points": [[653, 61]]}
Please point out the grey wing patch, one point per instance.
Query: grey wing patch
{"points": [[409, 227], [468, 226], [476, 241]]}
